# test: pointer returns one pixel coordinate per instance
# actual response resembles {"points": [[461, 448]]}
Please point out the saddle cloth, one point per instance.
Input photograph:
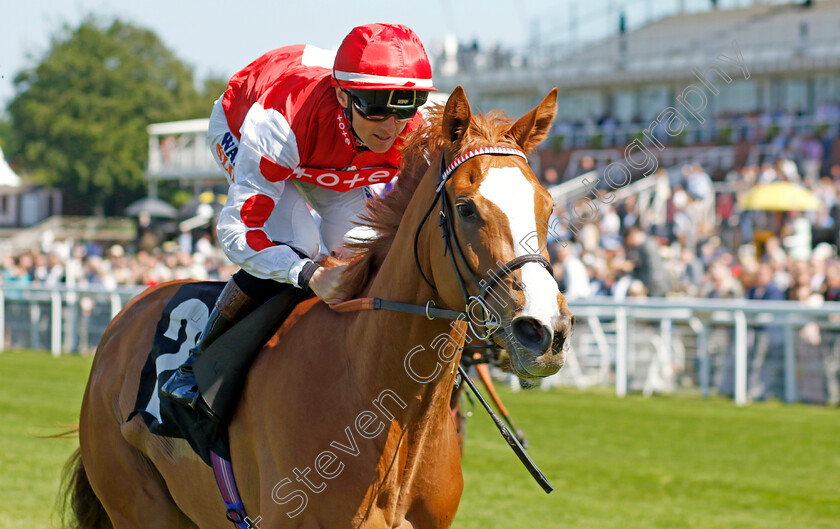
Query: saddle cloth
{"points": [[227, 361]]}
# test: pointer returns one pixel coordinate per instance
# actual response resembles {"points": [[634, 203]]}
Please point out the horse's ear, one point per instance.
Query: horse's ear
{"points": [[532, 128], [456, 116]]}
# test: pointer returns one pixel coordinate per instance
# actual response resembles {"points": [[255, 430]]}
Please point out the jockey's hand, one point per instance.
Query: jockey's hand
{"points": [[326, 284]]}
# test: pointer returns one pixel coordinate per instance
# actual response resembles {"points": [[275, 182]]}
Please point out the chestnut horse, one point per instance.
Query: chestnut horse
{"points": [[345, 420]]}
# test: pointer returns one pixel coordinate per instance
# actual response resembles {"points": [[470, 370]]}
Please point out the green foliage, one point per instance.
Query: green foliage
{"points": [[214, 87], [6, 136], [181, 198], [80, 115], [639, 135]]}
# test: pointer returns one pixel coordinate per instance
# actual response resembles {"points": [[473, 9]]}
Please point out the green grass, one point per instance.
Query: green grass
{"points": [[669, 463], [39, 396], [665, 462]]}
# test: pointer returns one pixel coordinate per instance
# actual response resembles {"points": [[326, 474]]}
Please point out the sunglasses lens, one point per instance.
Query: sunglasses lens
{"points": [[405, 113], [376, 111]]}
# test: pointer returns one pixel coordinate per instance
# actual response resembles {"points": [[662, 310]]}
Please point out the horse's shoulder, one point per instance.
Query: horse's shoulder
{"points": [[310, 320], [310, 309]]}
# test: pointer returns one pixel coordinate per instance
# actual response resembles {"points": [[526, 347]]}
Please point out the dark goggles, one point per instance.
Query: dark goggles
{"points": [[378, 105]]}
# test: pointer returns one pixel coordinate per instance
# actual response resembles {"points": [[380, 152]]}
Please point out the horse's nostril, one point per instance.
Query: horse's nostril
{"points": [[531, 333]]}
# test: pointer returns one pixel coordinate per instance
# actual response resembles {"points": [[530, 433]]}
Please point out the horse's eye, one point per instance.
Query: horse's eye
{"points": [[465, 209]]}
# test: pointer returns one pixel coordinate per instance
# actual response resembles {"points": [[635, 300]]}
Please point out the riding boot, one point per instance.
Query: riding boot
{"points": [[232, 306]]}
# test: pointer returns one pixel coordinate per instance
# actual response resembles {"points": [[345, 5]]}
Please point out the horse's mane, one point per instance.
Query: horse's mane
{"points": [[422, 147]]}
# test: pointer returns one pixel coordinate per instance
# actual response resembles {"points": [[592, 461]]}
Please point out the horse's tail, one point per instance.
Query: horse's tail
{"points": [[77, 496]]}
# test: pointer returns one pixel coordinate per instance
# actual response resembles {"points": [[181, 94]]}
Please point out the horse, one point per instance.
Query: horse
{"points": [[345, 420]]}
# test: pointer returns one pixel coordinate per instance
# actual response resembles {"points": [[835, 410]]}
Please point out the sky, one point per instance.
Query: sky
{"points": [[220, 37], [217, 38]]}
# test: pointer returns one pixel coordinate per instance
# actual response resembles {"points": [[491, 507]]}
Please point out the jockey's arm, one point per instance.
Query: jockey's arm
{"points": [[242, 236], [279, 262], [252, 197]]}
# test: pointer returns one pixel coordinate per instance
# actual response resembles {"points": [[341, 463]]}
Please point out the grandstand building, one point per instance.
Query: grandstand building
{"points": [[732, 73], [778, 57]]}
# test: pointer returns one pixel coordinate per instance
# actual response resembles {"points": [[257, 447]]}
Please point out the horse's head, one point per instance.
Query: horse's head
{"points": [[492, 204]]}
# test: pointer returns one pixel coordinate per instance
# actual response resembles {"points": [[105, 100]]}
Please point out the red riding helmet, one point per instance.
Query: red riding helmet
{"points": [[382, 57]]}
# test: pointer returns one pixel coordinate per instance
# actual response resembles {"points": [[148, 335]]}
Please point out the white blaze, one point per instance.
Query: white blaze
{"points": [[511, 192]]}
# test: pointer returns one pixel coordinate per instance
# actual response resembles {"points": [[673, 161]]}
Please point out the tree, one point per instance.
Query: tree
{"points": [[6, 136], [79, 117]]}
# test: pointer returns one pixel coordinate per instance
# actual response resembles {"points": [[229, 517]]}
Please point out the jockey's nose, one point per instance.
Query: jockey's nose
{"points": [[389, 124], [531, 333]]}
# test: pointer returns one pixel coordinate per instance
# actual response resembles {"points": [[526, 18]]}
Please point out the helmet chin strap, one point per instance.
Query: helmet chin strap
{"points": [[348, 114]]}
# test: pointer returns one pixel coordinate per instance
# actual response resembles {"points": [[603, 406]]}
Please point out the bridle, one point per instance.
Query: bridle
{"points": [[452, 246]]}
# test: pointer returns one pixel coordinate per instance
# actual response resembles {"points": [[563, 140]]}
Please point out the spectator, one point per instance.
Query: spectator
{"points": [[12, 272], [698, 183], [690, 273], [610, 226], [550, 177], [575, 282], [832, 282], [768, 340], [720, 283], [812, 155], [765, 288], [648, 267]]}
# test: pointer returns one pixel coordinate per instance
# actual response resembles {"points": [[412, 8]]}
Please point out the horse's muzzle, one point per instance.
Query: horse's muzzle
{"points": [[532, 333], [538, 350]]}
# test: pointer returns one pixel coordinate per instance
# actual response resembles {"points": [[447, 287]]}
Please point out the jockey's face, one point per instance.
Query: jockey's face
{"points": [[378, 136]]}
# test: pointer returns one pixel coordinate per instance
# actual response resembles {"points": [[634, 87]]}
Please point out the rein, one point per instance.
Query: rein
{"points": [[483, 286]]}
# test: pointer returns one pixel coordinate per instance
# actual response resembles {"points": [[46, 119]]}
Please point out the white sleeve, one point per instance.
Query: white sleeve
{"points": [[252, 197]]}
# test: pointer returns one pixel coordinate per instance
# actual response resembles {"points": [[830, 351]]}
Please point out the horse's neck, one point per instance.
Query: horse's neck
{"points": [[400, 350], [403, 373]]}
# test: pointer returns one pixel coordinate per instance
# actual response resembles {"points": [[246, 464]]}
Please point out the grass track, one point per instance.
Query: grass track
{"points": [[39, 396], [665, 462]]}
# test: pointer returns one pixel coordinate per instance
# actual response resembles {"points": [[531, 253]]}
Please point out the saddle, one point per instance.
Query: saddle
{"points": [[222, 372]]}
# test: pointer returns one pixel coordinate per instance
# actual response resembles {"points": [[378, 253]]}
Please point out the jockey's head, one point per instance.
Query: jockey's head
{"points": [[382, 76]]}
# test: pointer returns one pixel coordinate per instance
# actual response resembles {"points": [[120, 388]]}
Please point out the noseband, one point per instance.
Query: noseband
{"points": [[452, 246]]}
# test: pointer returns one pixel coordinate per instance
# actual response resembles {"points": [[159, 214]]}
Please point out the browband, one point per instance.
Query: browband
{"points": [[477, 152]]}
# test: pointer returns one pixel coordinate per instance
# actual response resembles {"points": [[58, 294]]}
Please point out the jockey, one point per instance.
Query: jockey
{"points": [[294, 130]]}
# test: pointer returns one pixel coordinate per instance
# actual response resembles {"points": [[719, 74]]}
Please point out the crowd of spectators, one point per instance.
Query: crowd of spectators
{"points": [[691, 239], [767, 126], [90, 265], [694, 239]]}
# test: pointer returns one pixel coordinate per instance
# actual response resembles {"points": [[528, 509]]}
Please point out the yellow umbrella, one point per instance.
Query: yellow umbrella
{"points": [[780, 196]]}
